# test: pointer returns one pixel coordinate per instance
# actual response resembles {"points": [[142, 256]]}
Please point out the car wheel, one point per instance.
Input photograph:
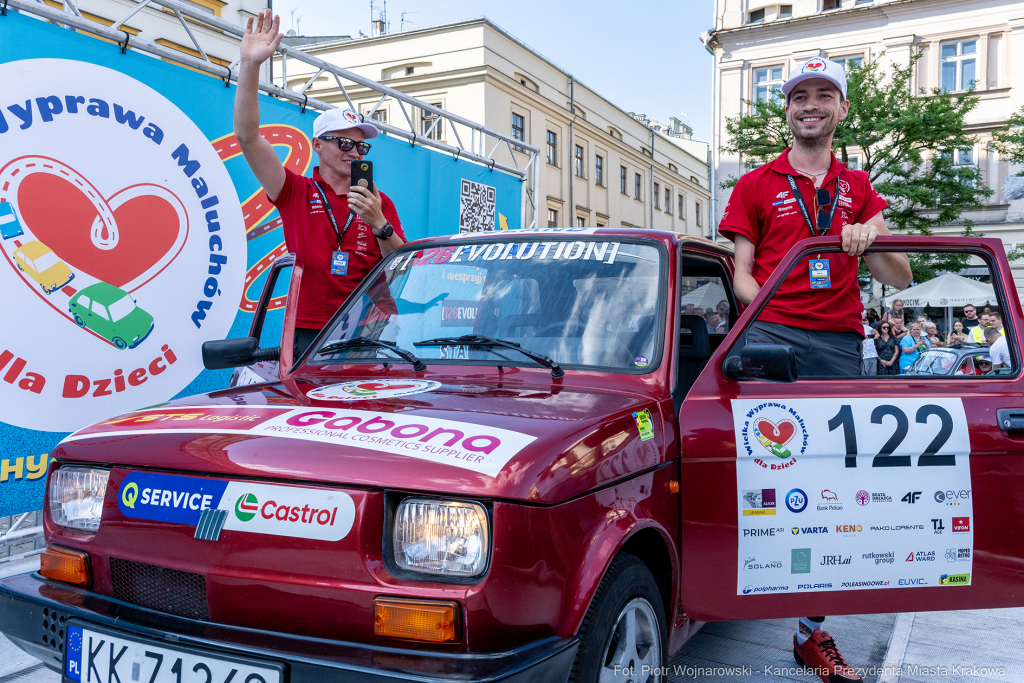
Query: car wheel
{"points": [[623, 636], [120, 343], [79, 321]]}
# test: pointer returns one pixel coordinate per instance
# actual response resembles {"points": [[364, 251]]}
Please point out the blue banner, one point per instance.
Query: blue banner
{"points": [[132, 231]]}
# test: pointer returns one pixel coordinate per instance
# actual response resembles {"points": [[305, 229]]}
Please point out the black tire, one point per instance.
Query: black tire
{"points": [[120, 343], [626, 581]]}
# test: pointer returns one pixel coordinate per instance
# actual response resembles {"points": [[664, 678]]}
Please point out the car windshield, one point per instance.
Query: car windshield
{"points": [[45, 262], [121, 308], [584, 302], [934, 362]]}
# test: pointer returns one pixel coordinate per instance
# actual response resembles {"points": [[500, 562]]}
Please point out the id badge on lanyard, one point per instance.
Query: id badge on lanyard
{"points": [[339, 259], [820, 273]]}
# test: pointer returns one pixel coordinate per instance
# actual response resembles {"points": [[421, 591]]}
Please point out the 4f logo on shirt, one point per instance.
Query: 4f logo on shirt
{"points": [[782, 195]]}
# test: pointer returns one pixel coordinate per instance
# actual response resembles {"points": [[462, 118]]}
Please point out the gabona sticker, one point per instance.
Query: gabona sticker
{"points": [[644, 424]]}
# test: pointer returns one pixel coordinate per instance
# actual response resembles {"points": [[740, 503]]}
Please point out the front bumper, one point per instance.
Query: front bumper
{"points": [[24, 598]]}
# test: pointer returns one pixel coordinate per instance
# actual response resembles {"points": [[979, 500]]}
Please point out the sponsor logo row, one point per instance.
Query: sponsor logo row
{"points": [[762, 502], [803, 559], [958, 525], [908, 582]]}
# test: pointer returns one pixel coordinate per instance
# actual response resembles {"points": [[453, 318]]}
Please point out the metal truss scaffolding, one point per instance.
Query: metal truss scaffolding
{"points": [[483, 142]]}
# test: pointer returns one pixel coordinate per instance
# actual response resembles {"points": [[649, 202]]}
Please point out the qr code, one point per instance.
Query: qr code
{"points": [[476, 207]]}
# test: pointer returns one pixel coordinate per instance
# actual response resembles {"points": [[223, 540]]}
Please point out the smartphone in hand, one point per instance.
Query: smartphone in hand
{"points": [[362, 174]]}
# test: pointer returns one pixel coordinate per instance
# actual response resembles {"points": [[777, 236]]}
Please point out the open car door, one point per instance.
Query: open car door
{"points": [[852, 495]]}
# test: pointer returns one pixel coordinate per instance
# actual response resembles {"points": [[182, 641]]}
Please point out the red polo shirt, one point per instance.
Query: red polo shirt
{"points": [[308, 233], [763, 210]]}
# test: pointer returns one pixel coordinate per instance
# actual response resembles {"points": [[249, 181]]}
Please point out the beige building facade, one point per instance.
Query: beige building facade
{"points": [[756, 43], [478, 71]]}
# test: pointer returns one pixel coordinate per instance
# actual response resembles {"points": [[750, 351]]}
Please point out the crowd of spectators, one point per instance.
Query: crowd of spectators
{"points": [[895, 338]]}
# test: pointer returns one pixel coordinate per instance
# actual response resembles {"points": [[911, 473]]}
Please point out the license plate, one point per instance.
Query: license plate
{"points": [[97, 656]]}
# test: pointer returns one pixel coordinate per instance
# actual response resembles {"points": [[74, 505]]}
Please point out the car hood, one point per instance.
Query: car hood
{"points": [[138, 320], [541, 444]]}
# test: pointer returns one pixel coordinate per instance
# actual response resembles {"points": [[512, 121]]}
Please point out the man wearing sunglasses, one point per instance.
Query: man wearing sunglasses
{"points": [[340, 231], [807, 192]]}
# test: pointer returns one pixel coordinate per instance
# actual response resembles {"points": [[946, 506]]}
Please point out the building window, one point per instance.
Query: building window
{"points": [[959, 63], [673, 168], [657, 192], [827, 5], [767, 83], [697, 215], [427, 120], [600, 224], [622, 180], [553, 148], [409, 70], [756, 17], [668, 201], [518, 130], [581, 222], [552, 218], [599, 170], [853, 162], [578, 162], [962, 158], [849, 63], [637, 187], [785, 11], [682, 208]]}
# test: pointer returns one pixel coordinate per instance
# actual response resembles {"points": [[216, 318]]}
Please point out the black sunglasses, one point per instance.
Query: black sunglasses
{"points": [[345, 144], [824, 203]]}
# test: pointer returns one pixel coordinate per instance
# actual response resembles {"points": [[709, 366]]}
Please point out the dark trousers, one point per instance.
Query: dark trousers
{"points": [[818, 354]]}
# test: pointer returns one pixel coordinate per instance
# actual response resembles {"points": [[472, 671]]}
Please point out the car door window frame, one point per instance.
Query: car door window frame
{"points": [[997, 283]]}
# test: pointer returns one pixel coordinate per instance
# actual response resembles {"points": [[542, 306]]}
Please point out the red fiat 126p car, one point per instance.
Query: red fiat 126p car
{"points": [[522, 456]]}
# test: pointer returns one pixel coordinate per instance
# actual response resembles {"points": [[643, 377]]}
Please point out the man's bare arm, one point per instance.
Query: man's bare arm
{"points": [[889, 268], [258, 45], [743, 283]]}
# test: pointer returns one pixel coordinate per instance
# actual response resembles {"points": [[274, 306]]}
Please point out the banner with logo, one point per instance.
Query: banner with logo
{"points": [[132, 231], [852, 494]]}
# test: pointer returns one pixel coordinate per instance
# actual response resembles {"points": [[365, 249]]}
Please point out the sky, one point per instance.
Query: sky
{"points": [[646, 58]]}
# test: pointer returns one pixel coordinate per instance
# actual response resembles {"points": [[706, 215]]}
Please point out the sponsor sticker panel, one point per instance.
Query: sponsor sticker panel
{"points": [[480, 448], [864, 494]]}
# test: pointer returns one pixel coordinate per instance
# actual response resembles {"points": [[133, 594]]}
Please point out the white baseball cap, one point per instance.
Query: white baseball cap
{"points": [[342, 119], [816, 67]]}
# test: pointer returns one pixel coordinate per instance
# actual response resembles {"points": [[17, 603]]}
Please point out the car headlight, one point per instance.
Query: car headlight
{"points": [[441, 537], [76, 497]]}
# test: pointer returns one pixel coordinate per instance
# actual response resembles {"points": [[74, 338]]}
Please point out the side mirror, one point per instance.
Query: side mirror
{"points": [[763, 362], [235, 353]]}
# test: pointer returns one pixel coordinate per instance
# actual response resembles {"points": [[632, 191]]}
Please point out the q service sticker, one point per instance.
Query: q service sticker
{"points": [[644, 424], [364, 390], [293, 511]]}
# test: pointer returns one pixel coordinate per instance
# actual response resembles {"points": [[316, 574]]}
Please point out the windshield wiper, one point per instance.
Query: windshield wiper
{"points": [[366, 342], [481, 340]]}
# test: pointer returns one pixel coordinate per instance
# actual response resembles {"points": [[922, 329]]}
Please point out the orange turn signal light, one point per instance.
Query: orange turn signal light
{"points": [[61, 564], [429, 620]]}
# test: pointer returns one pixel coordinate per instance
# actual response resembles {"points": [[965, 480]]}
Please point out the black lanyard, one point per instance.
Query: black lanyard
{"points": [[351, 214], [803, 207]]}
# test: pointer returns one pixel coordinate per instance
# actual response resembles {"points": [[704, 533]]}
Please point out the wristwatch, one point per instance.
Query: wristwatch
{"points": [[385, 233]]}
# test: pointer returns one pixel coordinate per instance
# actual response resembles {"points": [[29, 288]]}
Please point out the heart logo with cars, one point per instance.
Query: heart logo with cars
{"points": [[779, 433], [124, 239]]}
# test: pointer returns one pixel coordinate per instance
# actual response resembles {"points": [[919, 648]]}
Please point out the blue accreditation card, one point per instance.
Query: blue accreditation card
{"points": [[339, 263], [820, 278]]}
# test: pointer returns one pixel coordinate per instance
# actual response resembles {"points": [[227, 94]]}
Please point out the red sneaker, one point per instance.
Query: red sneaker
{"points": [[820, 654]]}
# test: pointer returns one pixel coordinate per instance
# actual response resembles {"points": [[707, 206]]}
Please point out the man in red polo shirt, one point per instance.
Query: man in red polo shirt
{"points": [[806, 192], [339, 231]]}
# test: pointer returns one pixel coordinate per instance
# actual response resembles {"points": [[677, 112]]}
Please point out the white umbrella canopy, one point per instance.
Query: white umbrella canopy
{"points": [[947, 290], [705, 296]]}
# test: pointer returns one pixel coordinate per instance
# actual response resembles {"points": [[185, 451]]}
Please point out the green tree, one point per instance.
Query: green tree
{"points": [[906, 142], [1009, 140]]}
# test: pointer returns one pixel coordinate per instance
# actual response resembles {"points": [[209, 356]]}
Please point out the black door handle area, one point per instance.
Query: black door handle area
{"points": [[1011, 419]]}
